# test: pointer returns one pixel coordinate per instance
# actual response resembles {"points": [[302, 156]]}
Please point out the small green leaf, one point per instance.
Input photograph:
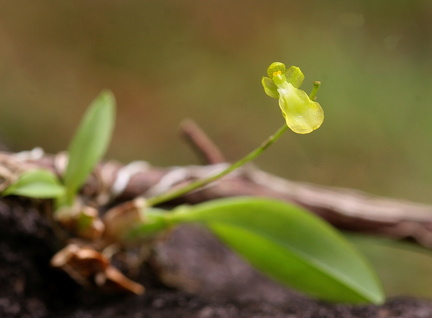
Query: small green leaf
{"points": [[90, 142], [38, 183], [291, 245]]}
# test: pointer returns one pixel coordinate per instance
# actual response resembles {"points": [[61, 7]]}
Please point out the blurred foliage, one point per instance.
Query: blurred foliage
{"points": [[169, 60]]}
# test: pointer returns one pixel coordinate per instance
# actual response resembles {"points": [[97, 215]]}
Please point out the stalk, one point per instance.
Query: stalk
{"points": [[170, 195]]}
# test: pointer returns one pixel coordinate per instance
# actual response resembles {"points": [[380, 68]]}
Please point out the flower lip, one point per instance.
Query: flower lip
{"points": [[301, 114]]}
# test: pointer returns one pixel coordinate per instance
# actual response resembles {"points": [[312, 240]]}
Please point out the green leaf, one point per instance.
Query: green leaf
{"points": [[404, 267], [38, 183], [291, 245], [90, 142]]}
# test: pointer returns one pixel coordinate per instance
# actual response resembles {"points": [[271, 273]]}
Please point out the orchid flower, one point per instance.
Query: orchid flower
{"points": [[302, 114]]}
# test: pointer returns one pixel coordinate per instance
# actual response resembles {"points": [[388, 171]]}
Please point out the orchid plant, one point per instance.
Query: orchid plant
{"points": [[282, 240]]}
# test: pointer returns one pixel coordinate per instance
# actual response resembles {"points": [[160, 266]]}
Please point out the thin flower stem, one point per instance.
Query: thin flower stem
{"points": [[167, 196]]}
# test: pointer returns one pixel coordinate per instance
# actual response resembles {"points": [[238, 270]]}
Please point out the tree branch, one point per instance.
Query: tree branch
{"points": [[344, 208], [201, 143]]}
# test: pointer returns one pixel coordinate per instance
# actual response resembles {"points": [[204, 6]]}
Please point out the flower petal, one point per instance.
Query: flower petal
{"points": [[270, 87], [276, 67], [295, 76], [302, 115]]}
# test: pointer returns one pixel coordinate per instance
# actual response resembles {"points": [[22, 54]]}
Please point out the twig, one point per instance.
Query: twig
{"points": [[201, 143], [345, 208]]}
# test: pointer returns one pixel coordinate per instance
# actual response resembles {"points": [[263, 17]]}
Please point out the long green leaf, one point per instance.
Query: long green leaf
{"points": [[404, 267], [291, 245], [90, 142], [38, 183]]}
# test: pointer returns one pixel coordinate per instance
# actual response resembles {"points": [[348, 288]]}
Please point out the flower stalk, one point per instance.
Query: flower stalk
{"points": [[302, 115], [167, 196]]}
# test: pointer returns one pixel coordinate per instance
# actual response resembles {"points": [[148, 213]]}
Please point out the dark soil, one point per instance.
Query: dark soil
{"points": [[210, 280]]}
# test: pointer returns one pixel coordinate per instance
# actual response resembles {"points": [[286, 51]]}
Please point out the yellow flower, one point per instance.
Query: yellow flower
{"points": [[302, 114]]}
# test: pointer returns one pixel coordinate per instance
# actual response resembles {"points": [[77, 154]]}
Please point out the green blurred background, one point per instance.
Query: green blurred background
{"points": [[170, 60]]}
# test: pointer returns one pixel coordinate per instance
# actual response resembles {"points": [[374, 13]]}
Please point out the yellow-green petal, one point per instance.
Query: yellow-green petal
{"points": [[295, 76], [270, 87], [302, 115], [276, 67]]}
